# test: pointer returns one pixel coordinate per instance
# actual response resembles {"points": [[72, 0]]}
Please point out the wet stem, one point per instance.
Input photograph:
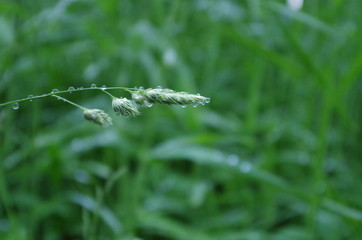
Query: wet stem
{"points": [[55, 93], [70, 102]]}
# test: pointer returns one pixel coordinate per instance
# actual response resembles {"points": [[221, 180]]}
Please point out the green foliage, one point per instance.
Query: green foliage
{"points": [[275, 155]]}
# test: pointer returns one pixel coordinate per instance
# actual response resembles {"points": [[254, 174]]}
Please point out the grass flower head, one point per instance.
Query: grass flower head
{"points": [[170, 97], [125, 107], [98, 116]]}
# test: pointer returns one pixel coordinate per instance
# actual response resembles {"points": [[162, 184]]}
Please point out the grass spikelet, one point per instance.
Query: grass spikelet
{"points": [[125, 107], [98, 116], [170, 97]]}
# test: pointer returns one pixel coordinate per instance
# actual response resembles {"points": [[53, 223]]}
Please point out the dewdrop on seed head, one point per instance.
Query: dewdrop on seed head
{"points": [[98, 117], [148, 104], [140, 100], [125, 107]]}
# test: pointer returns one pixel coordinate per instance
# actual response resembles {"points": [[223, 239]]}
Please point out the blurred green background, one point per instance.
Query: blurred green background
{"points": [[275, 155]]}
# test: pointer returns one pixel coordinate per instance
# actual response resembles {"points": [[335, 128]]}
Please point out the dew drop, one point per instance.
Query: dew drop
{"points": [[195, 105], [81, 88], [136, 97], [158, 87], [245, 167], [30, 96], [55, 90], [71, 89], [198, 94], [103, 87], [148, 104], [15, 105], [141, 88], [183, 106], [207, 100], [93, 85]]}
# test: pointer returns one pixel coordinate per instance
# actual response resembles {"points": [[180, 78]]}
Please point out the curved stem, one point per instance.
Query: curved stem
{"points": [[108, 94], [70, 102], [130, 90]]}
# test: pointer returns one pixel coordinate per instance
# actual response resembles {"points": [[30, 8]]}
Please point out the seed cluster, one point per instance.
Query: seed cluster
{"points": [[98, 116], [125, 107], [144, 97], [168, 96]]}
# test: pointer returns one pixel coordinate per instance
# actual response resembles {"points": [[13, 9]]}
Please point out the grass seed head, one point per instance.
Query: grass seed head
{"points": [[98, 116], [125, 107], [139, 98], [170, 97]]}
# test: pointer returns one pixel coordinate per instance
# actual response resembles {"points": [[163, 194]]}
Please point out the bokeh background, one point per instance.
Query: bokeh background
{"points": [[275, 155]]}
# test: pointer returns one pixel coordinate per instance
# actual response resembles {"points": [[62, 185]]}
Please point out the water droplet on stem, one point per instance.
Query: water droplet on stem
{"points": [[15, 106]]}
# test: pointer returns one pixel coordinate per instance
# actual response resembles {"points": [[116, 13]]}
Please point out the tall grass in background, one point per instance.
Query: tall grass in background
{"points": [[275, 155]]}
